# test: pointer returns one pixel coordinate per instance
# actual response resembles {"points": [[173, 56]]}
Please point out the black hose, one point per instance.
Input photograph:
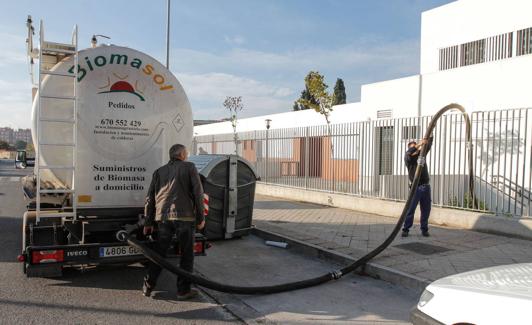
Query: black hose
{"points": [[334, 275]]}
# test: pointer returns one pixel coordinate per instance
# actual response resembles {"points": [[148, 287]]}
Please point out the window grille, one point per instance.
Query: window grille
{"points": [[386, 113], [524, 41]]}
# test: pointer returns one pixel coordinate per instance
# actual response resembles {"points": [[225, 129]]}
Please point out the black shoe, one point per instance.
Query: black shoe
{"points": [[405, 233], [188, 295], [146, 289], [425, 233]]}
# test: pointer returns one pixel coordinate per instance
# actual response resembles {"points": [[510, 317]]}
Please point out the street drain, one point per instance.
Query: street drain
{"points": [[422, 248]]}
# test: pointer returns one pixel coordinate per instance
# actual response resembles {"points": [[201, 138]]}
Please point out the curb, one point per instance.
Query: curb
{"points": [[374, 270], [236, 307]]}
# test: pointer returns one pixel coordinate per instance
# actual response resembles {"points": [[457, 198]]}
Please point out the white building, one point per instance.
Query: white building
{"points": [[473, 52]]}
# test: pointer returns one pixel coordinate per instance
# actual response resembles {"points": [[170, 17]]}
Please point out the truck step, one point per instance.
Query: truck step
{"points": [[58, 97], [60, 191], [60, 120], [57, 167], [55, 48], [58, 74], [44, 214], [64, 144]]}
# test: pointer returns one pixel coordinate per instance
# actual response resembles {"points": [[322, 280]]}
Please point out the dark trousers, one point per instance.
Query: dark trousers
{"points": [[422, 197], [184, 230]]}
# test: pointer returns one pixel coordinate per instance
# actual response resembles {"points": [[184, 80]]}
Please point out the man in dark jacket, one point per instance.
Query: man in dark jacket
{"points": [[422, 196], [175, 205]]}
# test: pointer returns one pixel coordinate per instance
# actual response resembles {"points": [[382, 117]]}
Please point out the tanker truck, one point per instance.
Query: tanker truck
{"points": [[103, 120]]}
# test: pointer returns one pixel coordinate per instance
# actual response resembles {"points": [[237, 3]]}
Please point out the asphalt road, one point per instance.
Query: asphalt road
{"points": [[7, 169], [111, 295]]}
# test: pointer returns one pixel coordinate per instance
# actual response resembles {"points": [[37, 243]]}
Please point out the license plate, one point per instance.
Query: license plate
{"points": [[114, 251]]}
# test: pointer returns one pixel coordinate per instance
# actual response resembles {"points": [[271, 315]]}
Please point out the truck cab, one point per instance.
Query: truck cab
{"points": [[23, 160]]}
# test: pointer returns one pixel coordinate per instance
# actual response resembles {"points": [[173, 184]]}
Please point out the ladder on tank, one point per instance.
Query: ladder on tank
{"points": [[59, 51]]}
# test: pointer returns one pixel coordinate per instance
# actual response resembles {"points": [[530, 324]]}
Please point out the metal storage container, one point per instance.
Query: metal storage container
{"points": [[229, 181]]}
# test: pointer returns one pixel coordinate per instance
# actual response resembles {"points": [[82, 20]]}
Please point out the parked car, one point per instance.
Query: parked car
{"points": [[495, 295]]}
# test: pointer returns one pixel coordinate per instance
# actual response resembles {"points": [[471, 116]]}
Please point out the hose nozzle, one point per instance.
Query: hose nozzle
{"points": [[336, 274], [421, 161]]}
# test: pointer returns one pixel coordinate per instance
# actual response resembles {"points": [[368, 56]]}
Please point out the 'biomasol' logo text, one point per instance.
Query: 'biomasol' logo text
{"points": [[101, 61]]}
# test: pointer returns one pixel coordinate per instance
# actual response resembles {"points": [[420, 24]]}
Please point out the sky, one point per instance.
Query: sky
{"points": [[260, 50]]}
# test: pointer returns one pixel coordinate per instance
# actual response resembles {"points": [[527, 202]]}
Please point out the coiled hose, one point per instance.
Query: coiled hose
{"points": [[334, 275]]}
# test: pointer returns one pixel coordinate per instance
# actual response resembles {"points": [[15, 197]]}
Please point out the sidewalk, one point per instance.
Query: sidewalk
{"points": [[448, 251]]}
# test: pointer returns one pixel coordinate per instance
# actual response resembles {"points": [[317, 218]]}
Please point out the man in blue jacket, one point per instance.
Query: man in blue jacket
{"points": [[422, 196]]}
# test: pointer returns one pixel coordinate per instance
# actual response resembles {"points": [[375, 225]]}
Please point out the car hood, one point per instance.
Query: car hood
{"points": [[513, 280]]}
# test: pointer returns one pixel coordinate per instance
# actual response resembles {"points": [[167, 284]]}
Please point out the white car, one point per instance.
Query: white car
{"points": [[495, 295]]}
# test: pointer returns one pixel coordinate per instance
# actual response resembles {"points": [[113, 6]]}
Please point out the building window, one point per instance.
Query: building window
{"points": [[384, 152], [410, 132], [499, 47], [484, 50], [472, 52], [449, 57], [524, 41]]}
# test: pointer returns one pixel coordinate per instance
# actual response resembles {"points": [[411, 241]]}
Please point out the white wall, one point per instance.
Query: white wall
{"points": [[487, 86], [399, 95], [340, 114], [468, 20]]}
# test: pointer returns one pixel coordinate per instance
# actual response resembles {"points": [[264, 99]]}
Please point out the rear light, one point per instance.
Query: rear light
{"points": [[52, 256], [21, 258], [198, 248]]}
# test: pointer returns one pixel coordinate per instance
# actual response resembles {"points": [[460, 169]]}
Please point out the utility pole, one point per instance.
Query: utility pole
{"points": [[167, 34], [268, 125]]}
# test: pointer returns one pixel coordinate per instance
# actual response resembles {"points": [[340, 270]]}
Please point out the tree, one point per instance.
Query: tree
{"points": [[4, 145], [20, 145], [234, 105], [306, 96], [339, 96], [317, 87], [30, 148], [320, 100]]}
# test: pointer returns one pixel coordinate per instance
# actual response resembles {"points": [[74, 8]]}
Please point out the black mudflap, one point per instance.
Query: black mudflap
{"points": [[44, 271]]}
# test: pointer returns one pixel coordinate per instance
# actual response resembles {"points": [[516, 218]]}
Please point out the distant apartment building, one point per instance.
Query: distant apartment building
{"points": [[6, 134], [11, 136], [22, 135]]}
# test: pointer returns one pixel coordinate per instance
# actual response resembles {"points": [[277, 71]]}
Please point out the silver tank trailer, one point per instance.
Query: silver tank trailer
{"points": [[131, 109]]}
